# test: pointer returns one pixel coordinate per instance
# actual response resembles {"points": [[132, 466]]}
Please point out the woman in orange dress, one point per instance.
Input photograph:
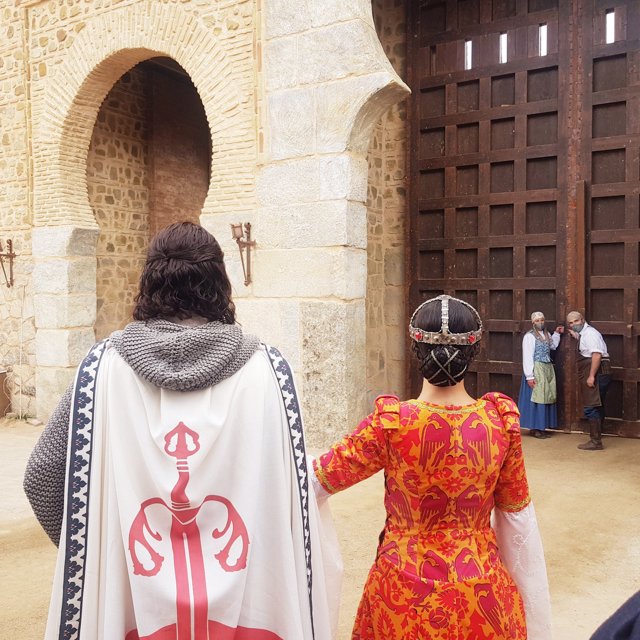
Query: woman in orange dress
{"points": [[443, 570]]}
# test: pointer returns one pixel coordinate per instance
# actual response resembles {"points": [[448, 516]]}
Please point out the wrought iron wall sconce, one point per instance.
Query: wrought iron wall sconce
{"points": [[241, 233], [9, 255]]}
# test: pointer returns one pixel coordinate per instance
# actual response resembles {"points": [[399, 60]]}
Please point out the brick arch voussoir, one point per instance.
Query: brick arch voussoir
{"points": [[108, 46]]}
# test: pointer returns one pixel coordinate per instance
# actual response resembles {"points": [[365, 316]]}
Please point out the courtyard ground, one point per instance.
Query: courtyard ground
{"points": [[588, 507]]}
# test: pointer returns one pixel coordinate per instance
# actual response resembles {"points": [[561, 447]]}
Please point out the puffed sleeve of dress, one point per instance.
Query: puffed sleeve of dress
{"points": [[360, 454], [516, 527]]}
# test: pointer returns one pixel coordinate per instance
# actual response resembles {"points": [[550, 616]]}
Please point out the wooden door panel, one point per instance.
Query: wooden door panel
{"points": [[484, 170], [525, 179], [612, 163]]}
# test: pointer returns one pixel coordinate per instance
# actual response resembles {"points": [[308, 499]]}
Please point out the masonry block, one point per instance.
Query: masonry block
{"points": [[324, 12], [63, 241], [318, 224], [338, 51], [51, 383], [283, 17], [289, 182], [63, 347], [292, 123], [343, 176], [394, 258], [313, 273], [281, 63], [333, 339], [65, 311], [275, 322], [62, 276]]}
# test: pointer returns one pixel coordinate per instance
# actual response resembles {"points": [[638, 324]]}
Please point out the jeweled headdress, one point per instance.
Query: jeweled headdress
{"points": [[444, 336]]}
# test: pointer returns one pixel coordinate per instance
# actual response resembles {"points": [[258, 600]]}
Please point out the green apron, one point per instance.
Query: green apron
{"points": [[545, 390]]}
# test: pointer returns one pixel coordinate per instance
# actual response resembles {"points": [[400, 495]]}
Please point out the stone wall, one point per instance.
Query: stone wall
{"points": [[76, 52], [327, 81], [118, 187], [289, 128], [179, 150], [148, 166], [386, 214], [17, 327]]}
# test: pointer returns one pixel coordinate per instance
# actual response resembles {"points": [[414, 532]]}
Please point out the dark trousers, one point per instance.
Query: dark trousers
{"points": [[597, 413]]}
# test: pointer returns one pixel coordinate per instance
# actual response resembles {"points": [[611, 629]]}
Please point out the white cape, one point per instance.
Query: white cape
{"points": [[188, 516]]}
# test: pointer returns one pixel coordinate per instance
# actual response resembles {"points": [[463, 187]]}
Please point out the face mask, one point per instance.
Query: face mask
{"points": [[577, 327], [539, 326]]}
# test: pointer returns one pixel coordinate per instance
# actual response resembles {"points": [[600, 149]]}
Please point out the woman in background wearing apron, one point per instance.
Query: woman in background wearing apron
{"points": [[537, 399]]}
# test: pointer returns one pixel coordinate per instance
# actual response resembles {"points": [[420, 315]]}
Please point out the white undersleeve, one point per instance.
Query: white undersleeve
{"points": [[320, 492], [521, 552]]}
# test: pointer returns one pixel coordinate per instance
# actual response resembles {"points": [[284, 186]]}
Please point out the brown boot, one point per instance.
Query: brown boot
{"points": [[595, 433]]}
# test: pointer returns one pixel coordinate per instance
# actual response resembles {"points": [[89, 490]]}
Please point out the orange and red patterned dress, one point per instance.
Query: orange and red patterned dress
{"points": [[437, 573]]}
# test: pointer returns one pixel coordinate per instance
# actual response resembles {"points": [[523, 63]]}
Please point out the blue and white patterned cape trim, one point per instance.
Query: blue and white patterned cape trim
{"points": [[77, 499], [294, 417]]}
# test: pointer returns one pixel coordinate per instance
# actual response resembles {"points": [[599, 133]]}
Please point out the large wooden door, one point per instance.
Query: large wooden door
{"points": [[524, 177], [611, 129]]}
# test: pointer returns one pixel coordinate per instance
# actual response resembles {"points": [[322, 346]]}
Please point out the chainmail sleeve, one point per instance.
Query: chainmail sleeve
{"points": [[44, 476]]}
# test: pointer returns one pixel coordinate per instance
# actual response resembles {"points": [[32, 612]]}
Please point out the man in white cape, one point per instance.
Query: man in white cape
{"points": [[187, 511]]}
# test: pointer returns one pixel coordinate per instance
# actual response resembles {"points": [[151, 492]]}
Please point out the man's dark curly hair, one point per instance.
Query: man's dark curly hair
{"points": [[184, 276], [445, 365]]}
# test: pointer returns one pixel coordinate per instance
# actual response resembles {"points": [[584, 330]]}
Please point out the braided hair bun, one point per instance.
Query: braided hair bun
{"points": [[444, 365]]}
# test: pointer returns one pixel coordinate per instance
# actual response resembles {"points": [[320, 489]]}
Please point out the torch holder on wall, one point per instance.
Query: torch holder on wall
{"points": [[7, 256], [241, 233]]}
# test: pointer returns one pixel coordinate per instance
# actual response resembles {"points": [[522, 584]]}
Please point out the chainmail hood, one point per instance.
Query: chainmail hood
{"points": [[182, 357]]}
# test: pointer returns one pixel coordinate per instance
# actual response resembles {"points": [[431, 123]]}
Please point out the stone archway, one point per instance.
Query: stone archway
{"points": [[64, 111], [290, 121]]}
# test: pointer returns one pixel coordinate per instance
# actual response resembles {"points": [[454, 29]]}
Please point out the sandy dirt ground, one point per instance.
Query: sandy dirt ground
{"points": [[588, 507]]}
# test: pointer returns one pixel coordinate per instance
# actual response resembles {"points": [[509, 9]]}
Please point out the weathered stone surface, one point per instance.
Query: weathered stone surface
{"points": [[61, 276], [62, 347], [64, 241], [394, 266], [291, 123], [334, 372], [289, 182], [281, 63], [65, 312], [395, 311], [324, 12], [347, 110], [283, 17], [275, 322], [51, 383], [343, 176], [314, 273], [318, 224], [338, 51]]}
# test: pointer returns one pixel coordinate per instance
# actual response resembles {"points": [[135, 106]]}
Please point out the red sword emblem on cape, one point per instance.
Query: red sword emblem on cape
{"points": [[192, 603]]}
